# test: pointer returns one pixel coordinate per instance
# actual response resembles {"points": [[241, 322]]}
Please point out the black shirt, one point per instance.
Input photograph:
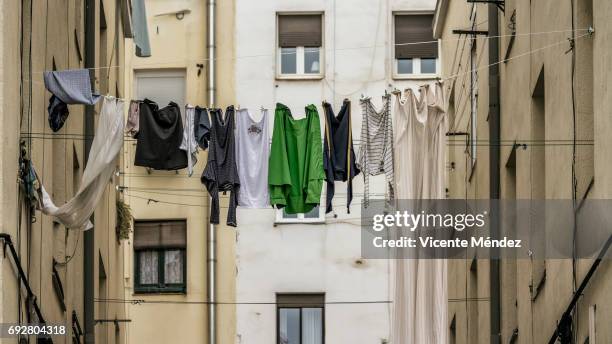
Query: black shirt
{"points": [[160, 137]]}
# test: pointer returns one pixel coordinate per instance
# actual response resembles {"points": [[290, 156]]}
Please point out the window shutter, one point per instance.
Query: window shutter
{"points": [[300, 300], [173, 234], [300, 30], [411, 29], [166, 234]]}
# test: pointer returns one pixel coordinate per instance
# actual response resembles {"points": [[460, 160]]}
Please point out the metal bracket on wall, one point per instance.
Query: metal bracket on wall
{"points": [[501, 4]]}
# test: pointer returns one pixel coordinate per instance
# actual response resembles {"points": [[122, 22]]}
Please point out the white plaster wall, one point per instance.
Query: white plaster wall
{"points": [[315, 258]]}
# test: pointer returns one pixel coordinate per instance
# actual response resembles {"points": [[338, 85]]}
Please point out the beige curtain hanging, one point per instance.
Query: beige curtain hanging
{"points": [[420, 308]]}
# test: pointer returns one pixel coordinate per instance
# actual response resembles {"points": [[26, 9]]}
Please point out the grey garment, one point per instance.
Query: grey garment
{"points": [[131, 127], [189, 144], [141, 30], [376, 146], [71, 86], [221, 172], [252, 155], [201, 129]]}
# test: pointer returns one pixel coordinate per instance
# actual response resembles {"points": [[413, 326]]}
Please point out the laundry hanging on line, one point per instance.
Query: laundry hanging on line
{"points": [[101, 164], [295, 154], [252, 156], [67, 87], [188, 144], [376, 146], [221, 172], [133, 119], [420, 307], [295, 172], [159, 137], [338, 154]]}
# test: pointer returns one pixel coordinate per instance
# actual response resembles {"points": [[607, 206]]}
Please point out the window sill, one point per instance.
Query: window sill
{"points": [[169, 291], [415, 76], [300, 77], [299, 222]]}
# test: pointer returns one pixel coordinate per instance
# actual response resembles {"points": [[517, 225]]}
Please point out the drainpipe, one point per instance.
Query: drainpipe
{"points": [[211, 237], [494, 167], [88, 128]]}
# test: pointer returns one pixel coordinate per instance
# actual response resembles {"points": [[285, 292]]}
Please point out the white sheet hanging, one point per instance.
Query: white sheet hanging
{"points": [[106, 145], [420, 285]]}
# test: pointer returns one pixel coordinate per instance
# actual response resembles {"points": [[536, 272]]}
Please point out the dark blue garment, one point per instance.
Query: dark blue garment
{"points": [[338, 154], [58, 113], [202, 127]]}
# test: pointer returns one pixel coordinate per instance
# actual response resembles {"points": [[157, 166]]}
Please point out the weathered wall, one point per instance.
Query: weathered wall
{"points": [[57, 40], [541, 171], [181, 45], [326, 257]]}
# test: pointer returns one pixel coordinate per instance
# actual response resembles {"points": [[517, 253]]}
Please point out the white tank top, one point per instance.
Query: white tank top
{"points": [[252, 155]]}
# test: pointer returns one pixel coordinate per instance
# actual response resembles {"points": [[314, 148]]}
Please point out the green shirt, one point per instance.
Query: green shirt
{"points": [[296, 171]]}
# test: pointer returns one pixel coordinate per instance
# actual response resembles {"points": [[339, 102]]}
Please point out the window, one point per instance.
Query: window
{"points": [[300, 318], [316, 215], [159, 254], [300, 42], [415, 59], [161, 86]]}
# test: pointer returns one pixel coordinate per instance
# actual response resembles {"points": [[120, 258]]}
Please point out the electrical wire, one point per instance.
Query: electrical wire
{"points": [[334, 49], [262, 303]]}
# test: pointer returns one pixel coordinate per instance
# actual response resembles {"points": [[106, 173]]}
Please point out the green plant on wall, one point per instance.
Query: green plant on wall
{"points": [[124, 220]]}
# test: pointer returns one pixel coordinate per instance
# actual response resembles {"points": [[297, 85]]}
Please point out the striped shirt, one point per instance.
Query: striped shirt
{"points": [[376, 149]]}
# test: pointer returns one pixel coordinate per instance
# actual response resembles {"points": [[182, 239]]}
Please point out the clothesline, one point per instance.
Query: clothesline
{"points": [[514, 57], [157, 301], [452, 143], [157, 200], [185, 192], [352, 48], [454, 76], [450, 139]]}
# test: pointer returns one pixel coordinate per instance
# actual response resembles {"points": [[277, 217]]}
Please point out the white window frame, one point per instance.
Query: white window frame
{"points": [[300, 217], [145, 73], [299, 67], [416, 62]]}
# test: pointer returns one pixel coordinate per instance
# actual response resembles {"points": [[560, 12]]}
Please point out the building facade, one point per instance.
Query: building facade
{"points": [[173, 307], [70, 272], [525, 85], [302, 278]]}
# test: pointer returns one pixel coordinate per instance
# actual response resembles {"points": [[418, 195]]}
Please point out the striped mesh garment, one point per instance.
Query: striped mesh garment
{"points": [[376, 146]]}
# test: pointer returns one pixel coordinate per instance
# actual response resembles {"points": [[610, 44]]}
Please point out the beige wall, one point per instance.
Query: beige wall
{"points": [[181, 45], [53, 154], [540, 172]]}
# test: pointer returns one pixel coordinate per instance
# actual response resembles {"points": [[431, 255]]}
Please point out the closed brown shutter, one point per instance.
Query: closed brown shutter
{"points": [[164, 234], [411, 29], [300, 30], [300, 300]]}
